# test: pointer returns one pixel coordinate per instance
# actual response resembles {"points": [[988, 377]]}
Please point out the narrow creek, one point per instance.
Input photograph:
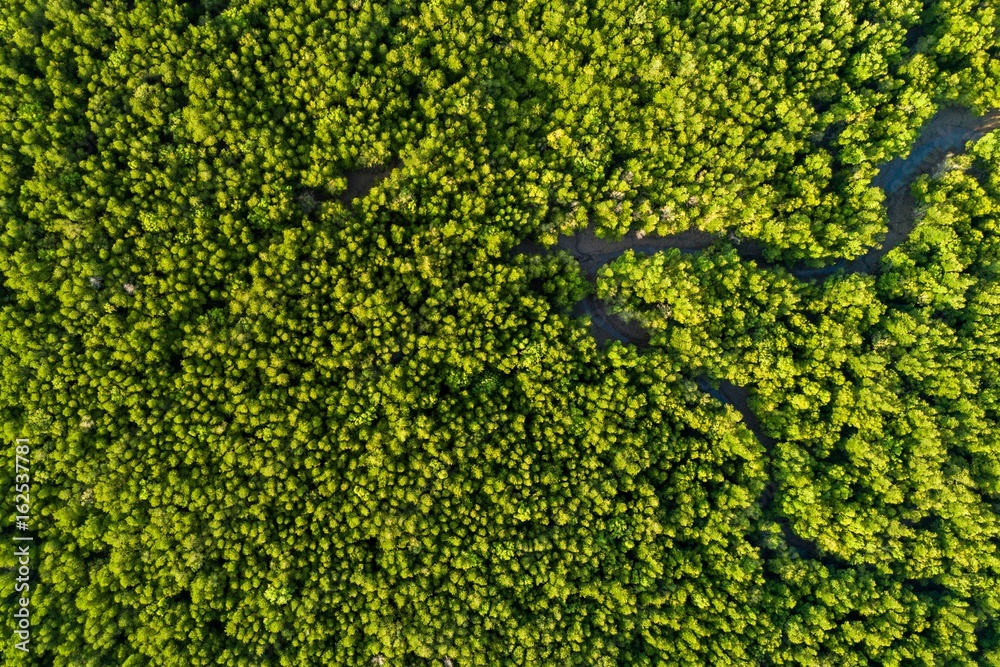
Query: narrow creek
{"points": [[947, 133]]}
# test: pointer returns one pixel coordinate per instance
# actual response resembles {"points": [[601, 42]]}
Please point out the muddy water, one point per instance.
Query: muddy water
{"points": [[947, 132]]}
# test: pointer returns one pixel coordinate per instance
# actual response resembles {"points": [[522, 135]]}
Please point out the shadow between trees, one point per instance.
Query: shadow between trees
{"points": [[360, 182]]}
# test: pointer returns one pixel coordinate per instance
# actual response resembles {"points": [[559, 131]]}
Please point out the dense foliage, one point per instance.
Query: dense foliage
{"points": [[280, 421], [881, 396]]}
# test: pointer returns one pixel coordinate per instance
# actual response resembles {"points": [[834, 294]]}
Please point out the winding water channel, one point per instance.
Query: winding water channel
{"points": [[946, 134]]}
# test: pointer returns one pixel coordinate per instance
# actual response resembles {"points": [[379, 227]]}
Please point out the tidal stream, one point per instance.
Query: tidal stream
{"points": [[946, 134]]}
